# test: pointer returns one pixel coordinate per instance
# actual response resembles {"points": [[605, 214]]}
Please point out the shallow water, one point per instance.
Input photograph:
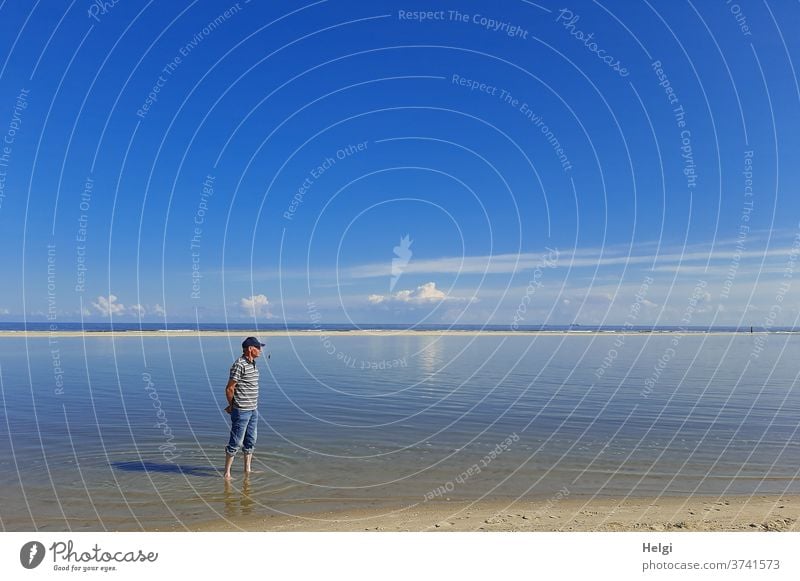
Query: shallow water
{"points": [[359, 420]]}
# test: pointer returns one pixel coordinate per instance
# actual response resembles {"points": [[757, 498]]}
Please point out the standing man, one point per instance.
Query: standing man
{"points": [[242, 395]]}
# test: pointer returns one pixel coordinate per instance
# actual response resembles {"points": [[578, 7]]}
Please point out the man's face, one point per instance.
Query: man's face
{"points": [[254, 352]]}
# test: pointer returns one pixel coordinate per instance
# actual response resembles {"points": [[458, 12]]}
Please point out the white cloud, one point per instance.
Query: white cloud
{"points": [[255, 306], [5, 312], [111, 306], [108, 306], [499, 263], [667, 260], [422, 295]]}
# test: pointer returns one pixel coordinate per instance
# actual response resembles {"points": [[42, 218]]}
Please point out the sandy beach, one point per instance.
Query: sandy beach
{"points": [[731, 513]]}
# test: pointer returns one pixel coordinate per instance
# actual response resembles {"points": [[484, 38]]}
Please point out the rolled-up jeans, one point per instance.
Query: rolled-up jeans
{"points": [[243, 431]]}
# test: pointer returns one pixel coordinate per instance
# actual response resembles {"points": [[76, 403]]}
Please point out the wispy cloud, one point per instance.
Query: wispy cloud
{"points": [[137, 310], [111, 305], [576, 258]]}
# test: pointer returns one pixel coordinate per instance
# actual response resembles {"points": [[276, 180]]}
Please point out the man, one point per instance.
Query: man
{"points": [[242, 395]]}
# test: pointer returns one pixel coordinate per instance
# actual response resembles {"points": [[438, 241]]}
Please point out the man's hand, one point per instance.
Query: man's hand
{"points": [[229, 391]]}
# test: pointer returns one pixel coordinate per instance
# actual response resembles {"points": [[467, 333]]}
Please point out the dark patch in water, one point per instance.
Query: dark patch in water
{"points": [[145, 466]]}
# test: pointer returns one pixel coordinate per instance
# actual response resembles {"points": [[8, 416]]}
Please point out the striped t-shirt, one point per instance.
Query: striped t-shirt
{"points": [[245, 374]]}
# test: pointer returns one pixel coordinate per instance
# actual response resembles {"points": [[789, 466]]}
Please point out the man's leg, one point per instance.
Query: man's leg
{"points": [[249, 442], [228, 464], [238, 424]]}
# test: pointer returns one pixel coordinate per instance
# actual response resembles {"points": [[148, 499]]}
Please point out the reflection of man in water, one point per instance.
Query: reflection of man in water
{"points": [[242, 395], [238, 502]]}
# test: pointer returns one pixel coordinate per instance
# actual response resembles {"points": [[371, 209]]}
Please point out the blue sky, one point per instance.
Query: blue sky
{"points": [[591, 162]]}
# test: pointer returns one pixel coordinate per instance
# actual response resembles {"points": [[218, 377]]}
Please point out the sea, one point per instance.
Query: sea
{"points": [[126, 431]]}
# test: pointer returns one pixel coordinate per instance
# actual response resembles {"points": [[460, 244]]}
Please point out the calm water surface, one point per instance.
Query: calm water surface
{"points": [[361, 420]]}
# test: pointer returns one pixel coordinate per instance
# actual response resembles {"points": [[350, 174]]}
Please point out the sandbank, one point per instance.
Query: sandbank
{"points": [[342, 333]]}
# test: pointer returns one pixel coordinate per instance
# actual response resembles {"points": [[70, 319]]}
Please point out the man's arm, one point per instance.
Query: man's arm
{"points": [[229, 389]]}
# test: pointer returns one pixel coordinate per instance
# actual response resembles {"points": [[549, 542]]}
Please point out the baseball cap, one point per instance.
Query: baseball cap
{"points": [[252, 342]]}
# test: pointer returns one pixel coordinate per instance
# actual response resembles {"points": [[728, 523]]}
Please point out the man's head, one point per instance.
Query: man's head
{"points": [[251, 347]]}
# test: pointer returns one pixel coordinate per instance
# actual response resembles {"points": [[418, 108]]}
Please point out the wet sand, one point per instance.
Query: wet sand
{"points": [[730, 513]]}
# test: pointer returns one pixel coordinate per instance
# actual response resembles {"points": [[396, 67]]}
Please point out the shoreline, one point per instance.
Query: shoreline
{"points": [[762, 513], [368, 333]]}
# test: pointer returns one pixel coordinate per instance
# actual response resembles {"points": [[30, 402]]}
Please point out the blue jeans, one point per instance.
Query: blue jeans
{"points": [[243, 431]]}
